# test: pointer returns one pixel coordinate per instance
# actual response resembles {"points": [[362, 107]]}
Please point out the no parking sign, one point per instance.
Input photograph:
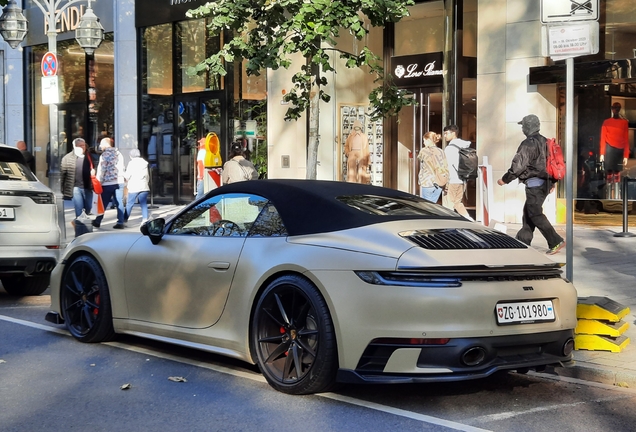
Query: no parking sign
{"points": [[49, 64]]}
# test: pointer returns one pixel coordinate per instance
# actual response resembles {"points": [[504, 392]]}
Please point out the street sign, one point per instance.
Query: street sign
{"points": [[561, 41], [569, 10], [49, 65], [50, 90]]}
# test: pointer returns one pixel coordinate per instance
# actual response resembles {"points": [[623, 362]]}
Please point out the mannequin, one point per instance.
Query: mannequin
{"points": [[357, 152], [614, 141]]}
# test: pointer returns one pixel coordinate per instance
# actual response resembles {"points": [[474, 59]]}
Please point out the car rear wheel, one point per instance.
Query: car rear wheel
{"points": [[85, 301], [293, 337], [19, 285]]}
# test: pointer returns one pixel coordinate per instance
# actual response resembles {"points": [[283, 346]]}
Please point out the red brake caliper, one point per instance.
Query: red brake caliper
{"points": [[96, 310], [282, 331]]}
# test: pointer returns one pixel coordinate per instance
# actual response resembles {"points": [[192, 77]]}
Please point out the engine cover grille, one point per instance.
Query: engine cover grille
{"points": [[462, 238]]}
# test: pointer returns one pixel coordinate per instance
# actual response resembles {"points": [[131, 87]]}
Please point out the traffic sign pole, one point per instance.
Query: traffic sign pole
{"points": [[567, 43]]}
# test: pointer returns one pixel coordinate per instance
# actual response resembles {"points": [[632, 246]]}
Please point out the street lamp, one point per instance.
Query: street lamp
{"points": [[13, 24], [89, 35]]}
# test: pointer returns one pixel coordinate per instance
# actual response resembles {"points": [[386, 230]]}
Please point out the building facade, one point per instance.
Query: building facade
{"points": [[474, 63]]}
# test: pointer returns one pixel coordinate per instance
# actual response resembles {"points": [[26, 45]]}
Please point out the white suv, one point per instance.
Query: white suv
{"points": [[29, 232]]}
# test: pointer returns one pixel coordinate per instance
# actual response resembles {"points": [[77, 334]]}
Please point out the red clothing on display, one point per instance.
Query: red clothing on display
{"points": [[615, 133]]}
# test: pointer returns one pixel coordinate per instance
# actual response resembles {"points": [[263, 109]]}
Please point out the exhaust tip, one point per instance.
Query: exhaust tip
{"points": [[49, 267], [39, 267], [568, 347], [473, 356]]}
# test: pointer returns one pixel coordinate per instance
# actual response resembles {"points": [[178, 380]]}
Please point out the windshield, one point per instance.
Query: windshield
{"points": [[393, 206]]}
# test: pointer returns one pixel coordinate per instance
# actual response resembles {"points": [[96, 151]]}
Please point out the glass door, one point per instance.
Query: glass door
{"points": [[185, 154], [195, 118], [413, 123], [71, 125]]}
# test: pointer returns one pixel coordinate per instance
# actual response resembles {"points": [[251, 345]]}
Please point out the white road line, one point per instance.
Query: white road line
{"points": [[259, 378], [583, 382], [511, 414], [34, 325], [403, 413]]}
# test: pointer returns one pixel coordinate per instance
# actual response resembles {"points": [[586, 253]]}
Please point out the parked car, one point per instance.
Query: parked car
{"points": [[29, 231], [323, 282]]}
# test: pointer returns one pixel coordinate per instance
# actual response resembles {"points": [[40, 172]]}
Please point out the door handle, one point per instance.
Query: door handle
{"points": [[219, 265]]}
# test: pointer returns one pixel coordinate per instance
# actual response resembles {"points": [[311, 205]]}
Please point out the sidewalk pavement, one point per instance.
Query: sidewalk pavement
{"points": [[603, 266]]}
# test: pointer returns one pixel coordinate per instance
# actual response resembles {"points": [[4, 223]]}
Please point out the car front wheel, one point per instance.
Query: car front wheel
{"points": [[85, 301], [293, 336]]}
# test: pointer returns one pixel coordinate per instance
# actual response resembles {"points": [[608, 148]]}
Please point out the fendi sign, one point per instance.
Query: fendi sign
{"points": [[419, 69], [66, 23]]}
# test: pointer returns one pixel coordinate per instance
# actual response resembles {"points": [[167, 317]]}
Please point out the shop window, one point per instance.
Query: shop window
{"points": [[250, 110], [619, 29], [80, 88], [469, 40], [195, 44], [422, 31], [101, 105], [157, 60]]}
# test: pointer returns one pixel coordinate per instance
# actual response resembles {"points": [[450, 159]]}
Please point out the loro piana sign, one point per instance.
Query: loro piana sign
{"points": [[419, 69]]}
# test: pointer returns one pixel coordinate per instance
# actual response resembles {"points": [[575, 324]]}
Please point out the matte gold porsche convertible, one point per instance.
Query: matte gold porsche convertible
{"points": [[320, 283]]}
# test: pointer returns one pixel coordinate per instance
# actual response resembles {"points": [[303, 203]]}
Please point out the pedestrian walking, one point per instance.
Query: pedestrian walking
{"points": [[199, 166], [238, 168], [433, 175], [110, 173], [76, 184], [137, 183], [28, 156], [456, 186], [529, 166]]}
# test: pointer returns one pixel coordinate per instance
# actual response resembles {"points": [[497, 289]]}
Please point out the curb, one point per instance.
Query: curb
{"points": [[615, 376]]}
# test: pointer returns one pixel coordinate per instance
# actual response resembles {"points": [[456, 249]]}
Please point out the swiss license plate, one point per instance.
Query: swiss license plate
{"points": [[525, 312], [7, 213]]}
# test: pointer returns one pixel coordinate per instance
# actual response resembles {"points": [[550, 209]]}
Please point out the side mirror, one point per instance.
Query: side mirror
{"points": [[154, 229]]}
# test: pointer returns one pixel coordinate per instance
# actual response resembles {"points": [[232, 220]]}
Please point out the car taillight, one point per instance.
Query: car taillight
{"points": [[37, 197], [43, 198]]}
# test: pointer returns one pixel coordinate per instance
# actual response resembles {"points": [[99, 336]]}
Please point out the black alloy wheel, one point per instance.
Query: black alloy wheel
{"points": [[293, 336], [85, 301]]}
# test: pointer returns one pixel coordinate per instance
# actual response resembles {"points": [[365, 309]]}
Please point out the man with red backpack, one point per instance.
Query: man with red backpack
{"points": [[529, 166]]}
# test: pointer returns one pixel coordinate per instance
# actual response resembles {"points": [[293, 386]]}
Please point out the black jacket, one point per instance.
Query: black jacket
{"points": [[529, 161], [67, 168]]}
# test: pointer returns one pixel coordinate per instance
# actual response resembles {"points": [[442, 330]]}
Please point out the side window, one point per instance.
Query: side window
{"points": [[230, 215], [268, 223]]}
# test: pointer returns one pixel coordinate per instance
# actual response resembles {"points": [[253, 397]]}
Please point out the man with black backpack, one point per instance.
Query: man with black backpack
{"points": [[529, 166], [456, 185]]}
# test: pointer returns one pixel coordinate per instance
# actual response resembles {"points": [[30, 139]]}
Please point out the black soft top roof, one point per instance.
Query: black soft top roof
{"points": [[310, 206]]}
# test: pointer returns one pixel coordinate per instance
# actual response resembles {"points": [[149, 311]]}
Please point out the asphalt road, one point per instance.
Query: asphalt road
{"points": [[48, 381]]}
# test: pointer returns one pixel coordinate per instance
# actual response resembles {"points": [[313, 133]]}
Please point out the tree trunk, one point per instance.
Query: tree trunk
{"points": [[314, 117]]}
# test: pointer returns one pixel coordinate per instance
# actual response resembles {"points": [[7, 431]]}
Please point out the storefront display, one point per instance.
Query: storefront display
{"points": [[350, 117]]}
